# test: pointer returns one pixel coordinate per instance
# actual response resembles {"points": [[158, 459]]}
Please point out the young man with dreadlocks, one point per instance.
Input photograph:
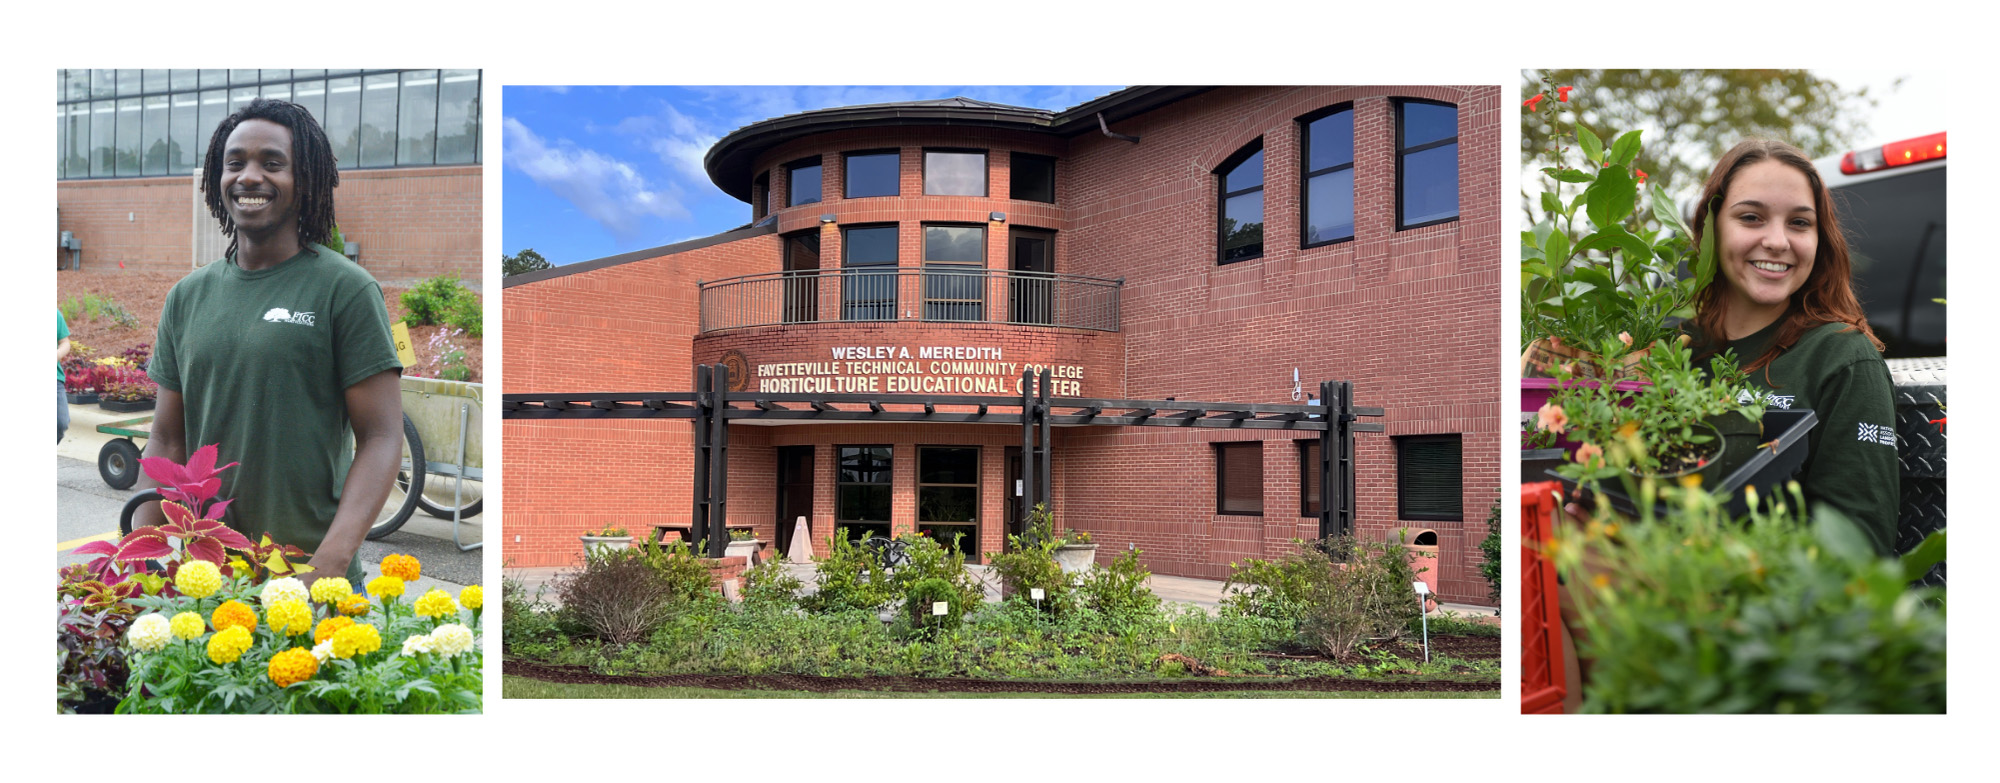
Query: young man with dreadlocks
{"points": [[278, 350]]}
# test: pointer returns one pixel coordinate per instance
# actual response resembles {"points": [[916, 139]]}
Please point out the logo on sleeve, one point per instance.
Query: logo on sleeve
{"points": [[1876, 433], [1784, 401], [281, 315]]}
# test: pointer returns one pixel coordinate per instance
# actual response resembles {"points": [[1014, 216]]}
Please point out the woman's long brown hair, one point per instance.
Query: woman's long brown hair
{"points": [[1827, 296]]}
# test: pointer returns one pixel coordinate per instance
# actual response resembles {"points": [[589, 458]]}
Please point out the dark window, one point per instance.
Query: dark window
{"points": [[948, 496], [954, 173], [760, 196], [802, 277], [1239, 478], [1032, 178], [802, 182], [1242, 229], [863, 490], [868, 288], [1429, 481], [1309, 486], [1426, 163], [1328, 191], [954, 273], [874, 174]]}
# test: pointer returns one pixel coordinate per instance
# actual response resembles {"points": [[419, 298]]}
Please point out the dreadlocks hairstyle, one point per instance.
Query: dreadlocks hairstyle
{"points": [[1828, 294], [313, 170]]}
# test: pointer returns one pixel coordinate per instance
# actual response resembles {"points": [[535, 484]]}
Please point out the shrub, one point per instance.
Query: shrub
{"points": [[92, 307], [769, 584], [524, 621], [849, 578], [1489, 549], [922, 599], [1119, 591], [928, 560], [442, 300], [1029, 562], [686, 572], [617, 596], [1364, 594], [1692, 611]]}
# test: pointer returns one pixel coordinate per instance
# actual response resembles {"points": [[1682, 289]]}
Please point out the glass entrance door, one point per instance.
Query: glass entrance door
{"points": [[795, 491], [1031, 297]]}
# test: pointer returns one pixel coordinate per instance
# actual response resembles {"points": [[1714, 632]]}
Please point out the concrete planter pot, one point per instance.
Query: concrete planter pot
{"points": [[599, 544], [1076, 558], [746, 549]]}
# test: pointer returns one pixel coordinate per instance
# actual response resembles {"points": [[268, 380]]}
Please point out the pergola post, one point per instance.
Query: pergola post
{"points": [[1046, 483], [718, 462], [1027, 500], [1329, 493], [698, 524]]}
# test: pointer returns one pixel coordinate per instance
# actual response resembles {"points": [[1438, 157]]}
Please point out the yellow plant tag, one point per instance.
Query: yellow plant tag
{"points": [[404, 352]]}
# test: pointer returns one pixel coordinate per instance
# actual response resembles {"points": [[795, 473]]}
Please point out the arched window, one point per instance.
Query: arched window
{"points": [[1326, 193], [1426, 163], [1240, 230]]}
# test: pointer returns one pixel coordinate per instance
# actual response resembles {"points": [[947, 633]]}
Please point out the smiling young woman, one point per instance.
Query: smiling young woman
{"points": [[1783, 301]]}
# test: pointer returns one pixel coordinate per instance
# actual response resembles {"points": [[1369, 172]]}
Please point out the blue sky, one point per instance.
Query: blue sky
{"points": [[596, 171]]}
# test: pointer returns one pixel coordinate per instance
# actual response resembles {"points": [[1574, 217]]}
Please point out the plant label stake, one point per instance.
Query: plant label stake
{"points": [[1424, 590], [1036, 593], [940, 608]]}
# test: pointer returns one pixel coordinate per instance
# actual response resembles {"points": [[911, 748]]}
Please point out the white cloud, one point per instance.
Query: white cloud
{"points": [[678, 140], [606, 189]]}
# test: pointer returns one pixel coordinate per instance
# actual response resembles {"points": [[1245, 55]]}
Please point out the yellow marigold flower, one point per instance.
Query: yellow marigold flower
{"points": [[236, 614], [328, 627], [451, 639], [385, 587], [354, 605], [290, 617], [331, 590], [228, 644], [471, 597], [295, 665], [150, 633], [402, 567], [436, 603], [198, 579], [285, 589], [188, 625], [357, 639]]}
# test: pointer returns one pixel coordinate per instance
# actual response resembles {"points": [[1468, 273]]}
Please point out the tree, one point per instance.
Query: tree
{"points": [[527, 261], [1691, 117]]}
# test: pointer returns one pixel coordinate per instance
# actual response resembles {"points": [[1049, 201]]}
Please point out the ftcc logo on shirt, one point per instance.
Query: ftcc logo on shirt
{"points": [[281, 315], [1747, 397]]}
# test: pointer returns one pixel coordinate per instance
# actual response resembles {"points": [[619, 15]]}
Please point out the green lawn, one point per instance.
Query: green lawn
{"points": [[525, 688]]}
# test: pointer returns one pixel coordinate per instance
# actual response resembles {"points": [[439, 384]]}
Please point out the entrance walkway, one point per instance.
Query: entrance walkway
{"points": [[1204, 593]]}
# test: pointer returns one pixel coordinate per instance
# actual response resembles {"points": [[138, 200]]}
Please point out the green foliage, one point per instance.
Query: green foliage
{"points": [[527, 623], [442, 300], [77, 309], [1489, 551], [617, 596], [1658, 428], [769, 584], [1687, 610], [1029, 562], [527, 261], [924, 596], [1119, 592], [1330, 595], [849, 578], [686, 572]]}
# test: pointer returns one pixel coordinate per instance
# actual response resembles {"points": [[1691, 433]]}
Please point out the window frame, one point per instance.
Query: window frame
{"points": [[791, 181], [1307, 174], [977, 522], [838, 485], [1013, 160], [855, 284], [1402, 152], [1308, 471], [1221, 478], [1221, 174], [986, 164], [847, 169], [1402, 477]]}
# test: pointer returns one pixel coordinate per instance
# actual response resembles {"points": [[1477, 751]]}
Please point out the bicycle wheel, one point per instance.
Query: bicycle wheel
{"points": [[407, 488]]}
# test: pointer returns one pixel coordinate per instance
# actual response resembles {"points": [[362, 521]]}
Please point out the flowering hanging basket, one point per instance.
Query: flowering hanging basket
{"points": [[1545, 355]]}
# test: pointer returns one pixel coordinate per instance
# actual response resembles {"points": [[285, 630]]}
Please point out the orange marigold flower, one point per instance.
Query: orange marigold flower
{"points": [[234, 613], [354, 605], [1552, 418], [292, 666], [402, 567], [330, 626], [1530, 103]]}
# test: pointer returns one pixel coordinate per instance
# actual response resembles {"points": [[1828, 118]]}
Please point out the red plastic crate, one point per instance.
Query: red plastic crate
{"points": [[1542, 687]]}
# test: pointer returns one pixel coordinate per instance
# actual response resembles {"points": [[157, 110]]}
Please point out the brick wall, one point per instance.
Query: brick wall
{"points": [[411, 223]]}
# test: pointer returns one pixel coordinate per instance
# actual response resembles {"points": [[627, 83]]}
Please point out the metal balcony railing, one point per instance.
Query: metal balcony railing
{"points": [[937, 293]]}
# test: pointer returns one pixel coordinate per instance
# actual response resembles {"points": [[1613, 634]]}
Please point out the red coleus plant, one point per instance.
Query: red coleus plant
{"points": [[191, 518]]}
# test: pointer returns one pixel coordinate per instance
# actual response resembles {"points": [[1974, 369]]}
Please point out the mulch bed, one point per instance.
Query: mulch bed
{"points": [[577, 675], [143, 293]]}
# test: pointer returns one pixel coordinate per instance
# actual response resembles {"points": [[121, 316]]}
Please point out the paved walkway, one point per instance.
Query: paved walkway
{"points": [[1204, 593]]}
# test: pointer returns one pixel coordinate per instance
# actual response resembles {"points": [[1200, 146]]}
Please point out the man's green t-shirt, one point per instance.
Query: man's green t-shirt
{"points": [[62, 333], [262, 361], [1851, 456]]}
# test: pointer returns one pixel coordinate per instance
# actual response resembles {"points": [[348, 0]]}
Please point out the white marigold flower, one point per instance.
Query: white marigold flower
{"points": [[451, 639], [150, 633], [284, 589], [417, 644], [323, 650]]}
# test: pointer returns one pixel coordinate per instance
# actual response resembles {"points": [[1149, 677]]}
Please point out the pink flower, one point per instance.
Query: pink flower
{"points": [[1530, 103], [1589, 453], [1626, 338], [1562, 94], [1552, 418]]}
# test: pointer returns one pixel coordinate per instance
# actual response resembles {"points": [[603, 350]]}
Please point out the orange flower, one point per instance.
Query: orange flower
{"points": [[1552, 418], [1588, 454], [1530, 103], [1562, 94], [1626, 338], [402, 567]]}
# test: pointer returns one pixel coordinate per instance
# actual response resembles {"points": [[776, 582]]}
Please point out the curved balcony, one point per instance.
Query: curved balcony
{"points": [[935, 294]]}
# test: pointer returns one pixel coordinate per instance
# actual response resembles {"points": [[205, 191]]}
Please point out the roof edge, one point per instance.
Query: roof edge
{"points": [[637, 255]]}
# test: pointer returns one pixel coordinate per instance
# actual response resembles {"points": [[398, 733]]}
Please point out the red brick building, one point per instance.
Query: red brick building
{"points": [[1158, 243]]}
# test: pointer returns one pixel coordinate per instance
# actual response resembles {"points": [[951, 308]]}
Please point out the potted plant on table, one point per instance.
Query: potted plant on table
{"points": [[609, 539], [743, 544]]}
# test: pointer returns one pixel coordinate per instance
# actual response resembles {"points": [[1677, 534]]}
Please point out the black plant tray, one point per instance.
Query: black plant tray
{"points": [[123, 406], [82, 398], [1779, 457]]}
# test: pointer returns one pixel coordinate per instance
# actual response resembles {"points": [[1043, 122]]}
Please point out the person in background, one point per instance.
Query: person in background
{"points": [[62, 398]]}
